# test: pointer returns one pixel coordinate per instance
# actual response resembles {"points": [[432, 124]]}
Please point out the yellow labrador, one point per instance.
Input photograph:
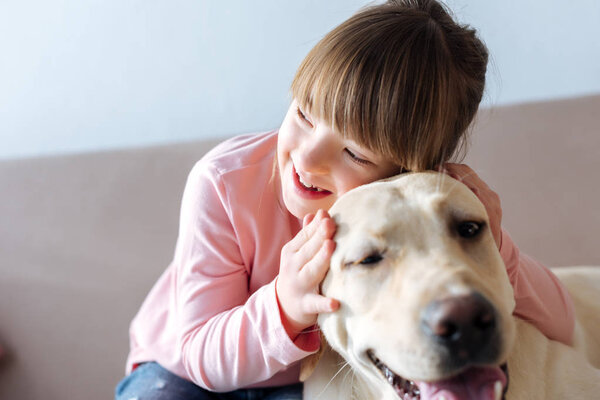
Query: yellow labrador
{"points": [[426, 306]]}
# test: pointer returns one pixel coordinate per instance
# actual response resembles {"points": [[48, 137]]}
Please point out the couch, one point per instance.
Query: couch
{"points": [[83, 237]]}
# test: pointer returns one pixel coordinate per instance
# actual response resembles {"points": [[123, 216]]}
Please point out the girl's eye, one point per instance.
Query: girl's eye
{"points": [[303, 116], [356, 159]]}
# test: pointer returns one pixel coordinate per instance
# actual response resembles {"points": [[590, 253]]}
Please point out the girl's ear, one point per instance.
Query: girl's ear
{"points": [[308, 364]]}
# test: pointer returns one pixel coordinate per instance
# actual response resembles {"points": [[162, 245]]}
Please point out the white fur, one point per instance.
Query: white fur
{"points": [[410, 219]]}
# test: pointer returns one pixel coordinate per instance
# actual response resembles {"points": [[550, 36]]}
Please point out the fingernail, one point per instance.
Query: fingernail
{"points": [[335, 305], [305, 220]]}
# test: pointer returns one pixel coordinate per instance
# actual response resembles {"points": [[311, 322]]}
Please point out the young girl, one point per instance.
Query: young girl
{"points": [[392, 89]]}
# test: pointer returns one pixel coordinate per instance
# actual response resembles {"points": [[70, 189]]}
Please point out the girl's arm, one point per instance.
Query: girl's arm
{"points": [[228, 339], [541, 298]]}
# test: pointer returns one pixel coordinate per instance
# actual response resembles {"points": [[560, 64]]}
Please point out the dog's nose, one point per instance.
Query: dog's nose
{"points": [[465, 325]]}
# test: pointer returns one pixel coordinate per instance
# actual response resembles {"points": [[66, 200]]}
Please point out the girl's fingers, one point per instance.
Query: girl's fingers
{"points": [[307, 219], [314, 271], [316, 304], [310, 224], [466, 175], [461, 172], [313, 246]]}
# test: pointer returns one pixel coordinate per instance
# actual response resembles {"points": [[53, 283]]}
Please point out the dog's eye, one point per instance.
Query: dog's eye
{"points": [[469, 229], [371, 259]]}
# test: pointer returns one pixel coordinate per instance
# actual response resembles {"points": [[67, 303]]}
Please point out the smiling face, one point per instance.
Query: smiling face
{"points": [[423, 290], [317, 165]]}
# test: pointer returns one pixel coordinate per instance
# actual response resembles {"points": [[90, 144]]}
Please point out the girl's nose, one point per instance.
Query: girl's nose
{"points": [[314, 155]]}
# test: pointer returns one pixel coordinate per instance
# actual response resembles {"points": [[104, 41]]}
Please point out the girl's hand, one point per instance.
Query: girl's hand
{"points": [[303, 265], [488, 197]]}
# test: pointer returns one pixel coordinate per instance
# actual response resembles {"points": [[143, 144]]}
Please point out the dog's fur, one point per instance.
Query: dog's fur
{"points": [[409, 226]]}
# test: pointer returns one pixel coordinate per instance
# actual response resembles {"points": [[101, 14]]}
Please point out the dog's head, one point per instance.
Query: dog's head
{"points": [[425, 300]]}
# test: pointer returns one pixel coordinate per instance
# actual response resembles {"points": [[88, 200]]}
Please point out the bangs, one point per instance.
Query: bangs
{"points": [[338, 83], [383, 79]]}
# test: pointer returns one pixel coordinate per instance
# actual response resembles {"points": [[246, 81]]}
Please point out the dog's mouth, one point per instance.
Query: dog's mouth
{"points": [[474, 383]]}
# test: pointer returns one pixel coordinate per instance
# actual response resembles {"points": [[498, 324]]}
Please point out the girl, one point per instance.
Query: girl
{"points": [[392, 89]]}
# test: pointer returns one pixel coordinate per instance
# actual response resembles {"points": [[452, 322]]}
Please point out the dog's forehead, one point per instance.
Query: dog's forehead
{"points": [[372, 200], [417, 190]]}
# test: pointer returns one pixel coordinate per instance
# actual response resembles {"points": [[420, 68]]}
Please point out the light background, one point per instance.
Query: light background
{"points": [[86, 75]]}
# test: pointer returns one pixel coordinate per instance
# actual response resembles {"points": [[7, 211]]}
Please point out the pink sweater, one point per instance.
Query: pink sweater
{"points": [[213, 316]]}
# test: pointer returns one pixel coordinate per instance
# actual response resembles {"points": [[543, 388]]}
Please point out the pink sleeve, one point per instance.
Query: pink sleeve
{"points": [[540, 297], [228, 338]]}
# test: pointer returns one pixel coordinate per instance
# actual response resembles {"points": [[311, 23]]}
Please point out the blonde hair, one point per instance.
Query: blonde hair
{"points": [[400, 78]]}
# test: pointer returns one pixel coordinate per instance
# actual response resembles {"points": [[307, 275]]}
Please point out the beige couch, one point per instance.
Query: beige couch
{"points": [[83, 237]]}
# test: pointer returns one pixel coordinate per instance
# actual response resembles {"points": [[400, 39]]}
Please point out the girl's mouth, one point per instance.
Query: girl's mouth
{"points": [[306, 189], [308, 185]]}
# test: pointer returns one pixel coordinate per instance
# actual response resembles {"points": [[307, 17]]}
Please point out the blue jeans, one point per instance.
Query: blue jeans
{"points": [[150, 381]]}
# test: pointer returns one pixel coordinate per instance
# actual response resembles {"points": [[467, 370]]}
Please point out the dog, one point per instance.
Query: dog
{"points": [[426, 306]]}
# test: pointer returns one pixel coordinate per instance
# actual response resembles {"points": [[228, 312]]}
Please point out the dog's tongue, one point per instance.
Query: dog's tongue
{"points": [[476, 383]]}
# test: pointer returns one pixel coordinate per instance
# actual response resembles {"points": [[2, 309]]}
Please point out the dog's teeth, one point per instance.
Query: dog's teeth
{"points": [[497, 390], [414, 388], [389, 375]]}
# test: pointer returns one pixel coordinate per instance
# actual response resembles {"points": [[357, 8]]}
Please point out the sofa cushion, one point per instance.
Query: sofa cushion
{"points": [[83, 238]]}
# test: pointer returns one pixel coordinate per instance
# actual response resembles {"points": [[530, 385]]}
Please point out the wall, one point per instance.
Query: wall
{"points": [[79, 75]]}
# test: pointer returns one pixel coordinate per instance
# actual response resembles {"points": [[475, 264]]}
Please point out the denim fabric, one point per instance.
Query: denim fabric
{"points": [[150, 381]]}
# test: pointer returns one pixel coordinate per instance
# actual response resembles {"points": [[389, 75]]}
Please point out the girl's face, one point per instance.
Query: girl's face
{"points": [[316, 165]]}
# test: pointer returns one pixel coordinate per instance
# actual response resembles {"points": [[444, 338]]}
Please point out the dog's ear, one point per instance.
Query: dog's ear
{"points": [[308, 364]]}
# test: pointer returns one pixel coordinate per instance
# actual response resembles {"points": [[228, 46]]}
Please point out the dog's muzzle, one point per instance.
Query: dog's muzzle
{"points": [[464, 331]]}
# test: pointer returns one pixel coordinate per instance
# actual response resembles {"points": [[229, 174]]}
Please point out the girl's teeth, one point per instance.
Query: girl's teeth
{"points": [[308, 185]]}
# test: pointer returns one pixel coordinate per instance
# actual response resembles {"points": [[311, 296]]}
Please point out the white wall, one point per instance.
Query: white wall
{"points": [[540, 49], [79, 75]]}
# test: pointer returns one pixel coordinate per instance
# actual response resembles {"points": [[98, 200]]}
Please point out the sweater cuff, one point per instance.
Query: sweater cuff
{"points": [[306, 343]]}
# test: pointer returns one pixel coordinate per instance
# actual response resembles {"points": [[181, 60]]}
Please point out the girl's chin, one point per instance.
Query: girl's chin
{"points": [[300, 209]]}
